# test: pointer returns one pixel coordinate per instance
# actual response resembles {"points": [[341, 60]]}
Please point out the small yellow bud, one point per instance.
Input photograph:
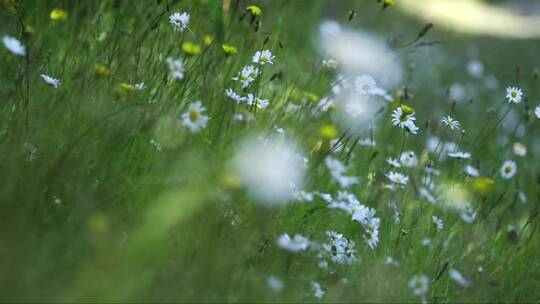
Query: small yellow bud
{"points": [[59, 14], [123, 89], [207, 40], [101, 70], [229, 49], [406, 109]]}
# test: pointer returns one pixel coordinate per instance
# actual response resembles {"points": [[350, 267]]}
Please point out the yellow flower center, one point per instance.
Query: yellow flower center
{"points": [[194, 115]]}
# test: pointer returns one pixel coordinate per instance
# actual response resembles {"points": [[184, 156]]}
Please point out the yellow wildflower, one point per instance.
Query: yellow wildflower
{"points": [[254, 10], [191, 48]]}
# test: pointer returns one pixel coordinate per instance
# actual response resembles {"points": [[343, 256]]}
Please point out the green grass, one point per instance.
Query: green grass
{"points": [[139, 224]]}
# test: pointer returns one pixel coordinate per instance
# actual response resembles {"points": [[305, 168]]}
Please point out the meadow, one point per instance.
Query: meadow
{"points": [[264, 151]]}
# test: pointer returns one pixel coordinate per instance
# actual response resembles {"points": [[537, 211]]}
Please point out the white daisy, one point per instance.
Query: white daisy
{"points": [[176, 68], [450, 122], [296, 244], [258, 102], [537, 111], [514, 94], [50, 80], [263, 57], [193, 118], [365, 84], [232, 94], [508, 169], [419, 284], [179, 21], [408, 159], [404, 121], [14, 45], [247, 75], [397, 178]]}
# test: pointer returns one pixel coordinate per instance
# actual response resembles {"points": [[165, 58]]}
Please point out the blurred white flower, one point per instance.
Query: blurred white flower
{"points": [[419, 284], [268, 168], [50, 80], [457, 92], [14, 45], [330, 63], [460, 155], [365, 84], [176, 68], [439, 224], [472, 171], [360, 53], [508, 169], [275, 283], [317, 290], [475, 68], [457, 277], [296, 244], [194, 118], [537, 111], [520, 149]]}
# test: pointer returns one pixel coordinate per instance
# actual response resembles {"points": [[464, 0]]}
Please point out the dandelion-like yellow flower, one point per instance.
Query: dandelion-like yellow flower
{"points": [[191, 48], [207, 40], [101, 70], [229, 49], [59, 14], [254, 10], [329, 132]]}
